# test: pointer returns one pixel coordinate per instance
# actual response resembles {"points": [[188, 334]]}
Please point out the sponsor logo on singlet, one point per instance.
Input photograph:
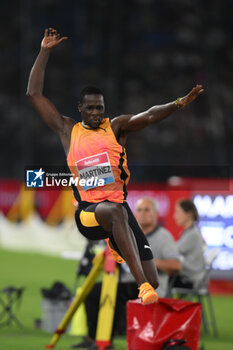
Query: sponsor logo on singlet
{"points": [[95, 170]]}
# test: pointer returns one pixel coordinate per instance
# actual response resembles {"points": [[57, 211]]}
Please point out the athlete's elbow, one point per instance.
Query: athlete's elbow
{"points": [[32, 95]]}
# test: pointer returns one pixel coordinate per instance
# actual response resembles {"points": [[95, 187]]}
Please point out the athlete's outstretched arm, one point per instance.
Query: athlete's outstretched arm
{"points": [[60, 124], [156, 113]]}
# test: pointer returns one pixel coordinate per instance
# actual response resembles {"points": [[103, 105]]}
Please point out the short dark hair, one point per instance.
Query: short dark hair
{"points": [[89, 90], [189, 207]]}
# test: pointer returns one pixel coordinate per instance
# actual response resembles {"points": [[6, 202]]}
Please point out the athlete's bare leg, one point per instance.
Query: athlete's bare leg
{"points": [[148, 266], [113, 217], [150, 272]]}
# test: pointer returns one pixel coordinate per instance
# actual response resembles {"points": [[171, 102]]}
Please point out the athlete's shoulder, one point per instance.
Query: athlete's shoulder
{"points": [[117, 125], [121, 119], [67, 125], [105, 121], [69, 120]]}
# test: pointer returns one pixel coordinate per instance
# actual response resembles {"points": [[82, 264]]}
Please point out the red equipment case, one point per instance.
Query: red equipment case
{"points": [[149, 326]]}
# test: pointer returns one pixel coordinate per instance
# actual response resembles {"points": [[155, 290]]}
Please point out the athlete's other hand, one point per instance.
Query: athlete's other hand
{"points": [[191, 96], [51, 39]]}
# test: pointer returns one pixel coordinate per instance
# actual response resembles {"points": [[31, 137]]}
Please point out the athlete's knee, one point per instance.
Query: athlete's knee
{"points": [[119, 213], [108, 215]]}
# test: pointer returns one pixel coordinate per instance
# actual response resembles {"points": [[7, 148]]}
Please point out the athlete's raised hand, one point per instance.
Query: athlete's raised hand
{"points": [[190, 97], [45, 108], [51, 39]]}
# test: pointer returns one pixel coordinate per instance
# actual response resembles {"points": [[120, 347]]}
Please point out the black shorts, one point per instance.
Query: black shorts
{"points": [[90, 228]]}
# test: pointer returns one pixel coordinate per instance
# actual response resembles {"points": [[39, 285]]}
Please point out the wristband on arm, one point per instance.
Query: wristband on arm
{"points": [[177, 102]]}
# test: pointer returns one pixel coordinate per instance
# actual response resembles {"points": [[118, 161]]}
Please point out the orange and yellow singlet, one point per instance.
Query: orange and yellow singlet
{"points": [[99, 163]]}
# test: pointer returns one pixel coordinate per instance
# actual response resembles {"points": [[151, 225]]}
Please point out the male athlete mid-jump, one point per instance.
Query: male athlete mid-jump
{"points": [[99, 144]]}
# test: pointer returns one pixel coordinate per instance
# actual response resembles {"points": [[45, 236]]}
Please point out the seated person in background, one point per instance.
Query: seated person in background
{"points": [[191, 246], [166, 259]]}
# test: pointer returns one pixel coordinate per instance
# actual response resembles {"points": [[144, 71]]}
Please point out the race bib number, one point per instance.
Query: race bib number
{"points": [[95, 171]]}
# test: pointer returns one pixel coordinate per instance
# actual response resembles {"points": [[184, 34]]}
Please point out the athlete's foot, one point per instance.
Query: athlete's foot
{"points": [[115, 255], [147, 294]]}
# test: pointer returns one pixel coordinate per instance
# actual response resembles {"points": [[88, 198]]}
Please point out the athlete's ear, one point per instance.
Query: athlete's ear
{"points": [[79, 107]]}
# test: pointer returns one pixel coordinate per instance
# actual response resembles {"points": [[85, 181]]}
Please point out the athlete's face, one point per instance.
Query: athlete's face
{"points": [[146, 214], [92, 110]]}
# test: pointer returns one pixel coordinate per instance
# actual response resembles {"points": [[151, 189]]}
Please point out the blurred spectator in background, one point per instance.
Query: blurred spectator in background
{"points": [[166, 259], [191, 245]]}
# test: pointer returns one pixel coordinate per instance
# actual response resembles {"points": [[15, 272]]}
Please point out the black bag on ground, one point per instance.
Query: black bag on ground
{"points": [[58, 291], [175, 344]]}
